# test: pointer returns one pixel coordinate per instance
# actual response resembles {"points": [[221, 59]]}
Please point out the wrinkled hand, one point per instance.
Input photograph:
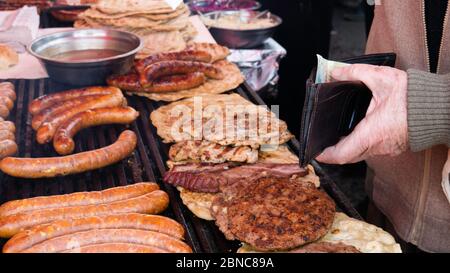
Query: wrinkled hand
{"points": [[384, 130]]}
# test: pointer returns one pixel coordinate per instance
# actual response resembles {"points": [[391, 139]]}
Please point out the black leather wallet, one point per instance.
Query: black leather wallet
{"points": [[332, 110]]}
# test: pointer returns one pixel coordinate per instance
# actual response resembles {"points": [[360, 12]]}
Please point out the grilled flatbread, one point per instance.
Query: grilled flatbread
{"points": [[126, 6], [216, 51], [224, 119]]}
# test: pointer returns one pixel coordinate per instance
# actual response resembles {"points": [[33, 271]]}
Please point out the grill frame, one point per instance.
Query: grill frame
{"points": [[147, 163]]}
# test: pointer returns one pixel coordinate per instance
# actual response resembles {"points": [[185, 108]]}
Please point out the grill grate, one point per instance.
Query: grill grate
{"points": [[147, 163]]}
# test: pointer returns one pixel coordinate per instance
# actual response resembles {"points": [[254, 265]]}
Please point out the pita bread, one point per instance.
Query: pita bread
{"points": [[198, 203], [363, 236], [97, 14], [143, 6], [216, 110], [233, 78], [8, 57]]}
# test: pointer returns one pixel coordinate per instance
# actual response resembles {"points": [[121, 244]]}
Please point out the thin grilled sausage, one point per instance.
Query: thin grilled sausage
{"points": [[116, 248], [40, 233], [39, 118], [45, 101], [102, 236], [185, 55], [63, 139], [151, 203], [71, 164], [8, 125], [77, 198], [47, 130], [167, 68], [7, 135], [178, 82], [7, 148]]}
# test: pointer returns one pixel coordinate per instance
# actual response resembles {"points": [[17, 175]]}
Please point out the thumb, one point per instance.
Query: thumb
{"points": [[369, 74], [349, 149]]}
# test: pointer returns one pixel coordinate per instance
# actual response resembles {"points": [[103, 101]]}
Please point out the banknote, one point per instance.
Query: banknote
{"points": [[324, 69]]}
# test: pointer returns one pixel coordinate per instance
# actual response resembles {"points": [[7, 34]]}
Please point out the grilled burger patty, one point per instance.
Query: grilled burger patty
{"points": [[273, 213]]}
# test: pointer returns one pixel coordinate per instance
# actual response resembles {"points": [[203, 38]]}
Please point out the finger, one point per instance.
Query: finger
{"points": [[350, 149], [370, 75]]}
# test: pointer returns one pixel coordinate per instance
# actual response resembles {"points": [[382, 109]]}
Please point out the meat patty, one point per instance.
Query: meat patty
{"points": [[273, 213]]}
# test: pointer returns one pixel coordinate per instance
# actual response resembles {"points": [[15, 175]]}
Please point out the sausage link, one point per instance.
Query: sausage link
{"points": [[116, 248], [6, 101], [102, 236], [40, 233], [8, 85], [128, 82], [59, 107], [45, 101], [8, 125], [77, 198], [7, 148], [185, 55], [71, 164], [7, 135], [151, 203], [178, 82], [63, 139], [167, 68], [46, 132]]}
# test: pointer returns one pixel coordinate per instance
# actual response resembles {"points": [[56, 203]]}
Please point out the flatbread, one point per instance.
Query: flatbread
{"points": [[143, 6], [216, 51], [363, 236], [198, 203], [233, 78], [97, 14], [8, 57]]}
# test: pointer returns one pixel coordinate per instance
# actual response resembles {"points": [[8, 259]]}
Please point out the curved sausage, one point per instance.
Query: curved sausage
{"points": [[7, 148], [45, 101], [151, 203], [185, 55], [8, 125], [77, 198], [63, 139], [71, 164], [40, 233], [116, 248], [58, 107], [7, 135], [6, 101], [102, 236], [46, 132], [178, 82], [167, 68]]}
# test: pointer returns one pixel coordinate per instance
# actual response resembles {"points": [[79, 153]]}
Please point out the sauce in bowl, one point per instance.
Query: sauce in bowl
{"points": [[87, 54]]}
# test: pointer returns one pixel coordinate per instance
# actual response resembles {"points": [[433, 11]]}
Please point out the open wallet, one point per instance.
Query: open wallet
{"points": [[333, 109]]}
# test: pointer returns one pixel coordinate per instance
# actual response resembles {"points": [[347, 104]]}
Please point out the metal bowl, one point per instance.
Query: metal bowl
{"points": [[205, 6], [234, 38], [86, 56]]}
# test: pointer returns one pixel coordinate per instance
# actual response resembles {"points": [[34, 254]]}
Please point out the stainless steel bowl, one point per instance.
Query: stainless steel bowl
{"points": [[86, 56], [234, 38]]}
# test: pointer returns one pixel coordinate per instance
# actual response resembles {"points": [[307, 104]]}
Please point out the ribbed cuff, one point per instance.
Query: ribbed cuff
{"points": [[428, 109]]}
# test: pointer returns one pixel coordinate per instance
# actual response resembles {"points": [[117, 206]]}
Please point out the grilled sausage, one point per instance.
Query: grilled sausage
{"points": [[8, 125], [116, 248], [150, 203], [71, 164], [40, 233], [63, 139], [6, 85], [7, 135], [59, 107], [102, 236], [167, 68], [45, 101], [46, 132], [185, 55], [6, 101], [77, 199], [7, 148], [130, 82]]}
